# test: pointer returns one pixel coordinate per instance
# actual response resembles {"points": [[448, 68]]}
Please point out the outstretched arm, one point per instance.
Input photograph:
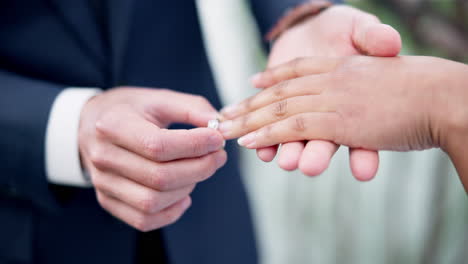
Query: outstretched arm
{"points": [[400, 104]]}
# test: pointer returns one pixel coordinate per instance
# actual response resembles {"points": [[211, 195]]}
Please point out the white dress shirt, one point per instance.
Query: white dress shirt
{"points": [[63, 163]]}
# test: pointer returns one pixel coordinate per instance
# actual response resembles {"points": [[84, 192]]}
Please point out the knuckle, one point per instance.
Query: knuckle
{"points": [[299, 124], [246, 120], [154, 147], [160, 179], [173, 216], [339, 131], [148, 204], [105, 125], [267, 131], [142, 223], [154, 110], [196, 145], [280, 109], [223, 158], [99, 157], [295, 64], [247, 105], [279, 89], [101, 200], [100, 127], [98, 184], [188, 116], [110, 121], [207, 168]]}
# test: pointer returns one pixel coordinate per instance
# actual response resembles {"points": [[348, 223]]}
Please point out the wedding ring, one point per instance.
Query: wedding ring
{"points": [[214, 123]]}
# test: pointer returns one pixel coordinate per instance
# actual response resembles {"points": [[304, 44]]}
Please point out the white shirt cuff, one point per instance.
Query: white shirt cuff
{"points": [[63, 164]]}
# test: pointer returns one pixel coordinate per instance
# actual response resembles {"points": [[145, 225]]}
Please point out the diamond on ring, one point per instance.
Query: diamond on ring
{"points": [[213, 124]]}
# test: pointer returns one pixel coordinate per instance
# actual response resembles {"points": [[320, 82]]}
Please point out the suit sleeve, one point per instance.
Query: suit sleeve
{"points": [[24, 111], [268, 12]]}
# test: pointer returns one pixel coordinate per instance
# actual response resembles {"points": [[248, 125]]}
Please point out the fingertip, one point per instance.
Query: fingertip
{"points": [[382, 40], [316, 157], [288, 164], [364, 164], [313, 167], [221, 158], [289, 155], [267, 154]]}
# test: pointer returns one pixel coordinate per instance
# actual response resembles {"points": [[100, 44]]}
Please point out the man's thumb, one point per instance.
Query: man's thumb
{"points": [[373, 38]]}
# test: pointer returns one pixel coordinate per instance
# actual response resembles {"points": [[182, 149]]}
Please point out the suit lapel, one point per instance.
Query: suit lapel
{"points": [[79, 19], [120, 12]]}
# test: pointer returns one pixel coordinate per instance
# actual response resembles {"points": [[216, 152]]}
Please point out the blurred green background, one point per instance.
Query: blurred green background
{"points": [[428, 27]]}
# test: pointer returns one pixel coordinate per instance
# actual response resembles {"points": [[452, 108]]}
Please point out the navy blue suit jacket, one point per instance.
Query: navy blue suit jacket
{"points": [[48, 45]]}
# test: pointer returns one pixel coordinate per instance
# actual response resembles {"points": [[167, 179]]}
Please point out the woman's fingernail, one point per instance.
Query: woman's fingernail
{"points": [[225, 127], [229, 110], [247, 140]]}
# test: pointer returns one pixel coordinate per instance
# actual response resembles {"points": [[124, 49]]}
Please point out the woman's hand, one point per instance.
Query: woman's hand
{"points": [[404, 103], [336, 32]]}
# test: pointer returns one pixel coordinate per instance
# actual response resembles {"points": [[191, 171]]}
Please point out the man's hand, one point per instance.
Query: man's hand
{"points": [[143, 173], [336, 32]]}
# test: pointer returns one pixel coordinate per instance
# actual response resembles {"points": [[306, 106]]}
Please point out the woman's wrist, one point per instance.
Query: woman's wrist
{"points": [[452, 108], [453, 116]]}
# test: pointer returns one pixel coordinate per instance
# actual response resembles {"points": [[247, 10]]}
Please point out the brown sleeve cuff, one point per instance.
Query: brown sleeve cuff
{"points": [[297, 15]]}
